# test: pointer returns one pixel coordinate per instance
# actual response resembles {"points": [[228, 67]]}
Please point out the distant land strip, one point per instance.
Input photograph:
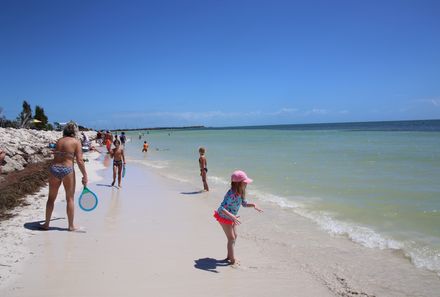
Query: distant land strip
{"points": [[160, 128]]}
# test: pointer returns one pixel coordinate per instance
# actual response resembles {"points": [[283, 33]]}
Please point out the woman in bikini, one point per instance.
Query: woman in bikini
{"points": [[61, 171]]}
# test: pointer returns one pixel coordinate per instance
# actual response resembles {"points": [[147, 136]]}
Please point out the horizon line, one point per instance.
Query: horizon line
{"points": [[263, 125]]}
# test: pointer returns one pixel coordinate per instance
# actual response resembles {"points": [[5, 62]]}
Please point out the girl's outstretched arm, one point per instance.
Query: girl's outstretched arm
{"points": [[254, 206]]}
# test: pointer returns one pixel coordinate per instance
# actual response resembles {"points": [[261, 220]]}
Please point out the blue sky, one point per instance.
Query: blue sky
{"points": [[110, 64]]}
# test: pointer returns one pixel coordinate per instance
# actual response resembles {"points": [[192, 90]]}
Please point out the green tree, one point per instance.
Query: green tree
{"points": [[24, 119], [4, 122], [41, 117]]}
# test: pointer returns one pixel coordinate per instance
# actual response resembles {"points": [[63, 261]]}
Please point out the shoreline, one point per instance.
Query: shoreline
{"points": [[156, 231], [148, 231], [371, 209], [352, 267]]}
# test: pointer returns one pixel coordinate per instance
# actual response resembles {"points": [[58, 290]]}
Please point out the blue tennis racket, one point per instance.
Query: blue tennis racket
{"points": [[88, 200], [123, 171]]}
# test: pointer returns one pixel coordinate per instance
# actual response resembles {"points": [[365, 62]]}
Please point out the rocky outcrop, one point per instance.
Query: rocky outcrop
{"points": [[25, 146]]}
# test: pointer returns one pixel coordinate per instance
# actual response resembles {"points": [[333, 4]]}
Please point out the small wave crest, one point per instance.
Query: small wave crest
{"points": [[218, 180], [421, 256], [174, 177], [152, 164], [278, 200]]}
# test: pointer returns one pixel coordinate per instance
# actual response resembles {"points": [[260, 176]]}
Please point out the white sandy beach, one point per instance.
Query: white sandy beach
{"points": [[154, 238], [145, 239]]}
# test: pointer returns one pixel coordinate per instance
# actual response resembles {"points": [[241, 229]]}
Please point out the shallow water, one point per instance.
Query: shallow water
{"points": [[376, 183]]}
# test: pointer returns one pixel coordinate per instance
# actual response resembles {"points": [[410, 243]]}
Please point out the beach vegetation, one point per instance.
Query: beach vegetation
{"points": [[82, 128], [19, 184], [5, 123], [42, 122], [57, 126], [24, 119]]}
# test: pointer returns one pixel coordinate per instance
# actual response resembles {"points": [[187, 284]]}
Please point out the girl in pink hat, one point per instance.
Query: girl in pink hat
{"points": [[226, 214]]}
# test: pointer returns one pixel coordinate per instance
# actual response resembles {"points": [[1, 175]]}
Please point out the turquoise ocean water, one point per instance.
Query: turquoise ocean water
{"points": [[377, 183]]}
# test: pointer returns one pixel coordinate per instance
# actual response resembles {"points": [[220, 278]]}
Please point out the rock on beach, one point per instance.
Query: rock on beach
{"points": [[26, 146]]}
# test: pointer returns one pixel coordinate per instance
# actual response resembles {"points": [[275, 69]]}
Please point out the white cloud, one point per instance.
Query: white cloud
{"points": [[213, 116], [187, 115], [190, 115], [208, 115], [284, 110], [431, 101], [315, 111]]}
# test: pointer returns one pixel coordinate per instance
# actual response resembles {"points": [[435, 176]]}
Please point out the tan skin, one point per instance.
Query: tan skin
{"points": [[2, 157], [231, 231], [70, 149], [203, 165], [118, 154], [145, 147]]}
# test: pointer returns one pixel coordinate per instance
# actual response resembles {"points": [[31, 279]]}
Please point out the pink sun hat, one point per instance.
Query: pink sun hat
{"points": [[240, 176]]}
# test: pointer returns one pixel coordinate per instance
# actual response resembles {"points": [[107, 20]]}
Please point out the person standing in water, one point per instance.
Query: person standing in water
{"points": [[145, 147], [67, 149], [203, 163], [123, 139]]}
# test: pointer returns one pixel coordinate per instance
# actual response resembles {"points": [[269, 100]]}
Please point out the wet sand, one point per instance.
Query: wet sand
{"points": [[147, 238], [157, 236]]}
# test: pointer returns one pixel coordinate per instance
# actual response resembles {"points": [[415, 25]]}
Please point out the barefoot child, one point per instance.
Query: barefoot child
{"points": [[118, 161], [226, 214], [145, 148], [203, 168]]}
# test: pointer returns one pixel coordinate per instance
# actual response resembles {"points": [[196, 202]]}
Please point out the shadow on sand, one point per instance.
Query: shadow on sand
{"points": [[192, 193], [36, 226], [104, 185], [210, 264]]}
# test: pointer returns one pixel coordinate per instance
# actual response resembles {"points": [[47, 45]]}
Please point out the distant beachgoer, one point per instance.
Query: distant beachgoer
{"points": [[203, 163], [118, 161], [123, 138], [2, 158], [116, 137], [99, 137], [226, 214], [67, 149], [85, 142], [108, 141], [145, 147], [140, 135]]}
